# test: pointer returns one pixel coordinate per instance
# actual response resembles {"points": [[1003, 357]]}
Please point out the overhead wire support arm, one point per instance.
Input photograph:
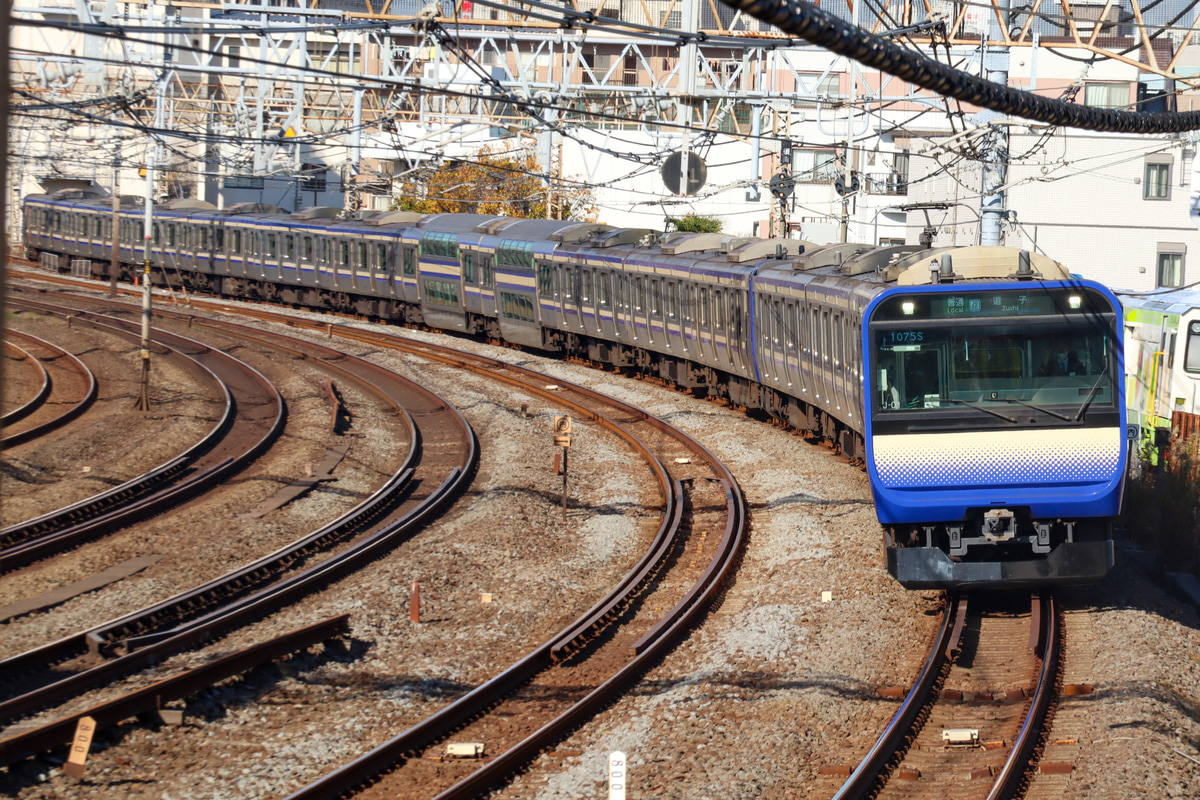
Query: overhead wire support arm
{"points": [[798, 18]]}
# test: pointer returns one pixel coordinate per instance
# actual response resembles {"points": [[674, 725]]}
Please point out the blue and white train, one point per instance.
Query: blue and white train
{"points": [[937, 368]]}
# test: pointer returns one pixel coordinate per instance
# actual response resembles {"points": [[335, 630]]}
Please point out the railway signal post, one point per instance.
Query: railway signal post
{"points": [[562, 438]]}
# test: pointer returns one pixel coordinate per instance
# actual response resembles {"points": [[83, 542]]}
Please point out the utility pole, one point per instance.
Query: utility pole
{"points": [[114, 266], [995, 166], [143, 403], [849, 165], [687, 70]]}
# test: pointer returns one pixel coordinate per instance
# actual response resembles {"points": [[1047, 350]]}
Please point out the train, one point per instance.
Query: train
{"points": [[1162, 357], [936, 368]]}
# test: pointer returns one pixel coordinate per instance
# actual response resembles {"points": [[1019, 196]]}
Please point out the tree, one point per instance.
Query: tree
{"points": [[694, 223], [508, 184]]}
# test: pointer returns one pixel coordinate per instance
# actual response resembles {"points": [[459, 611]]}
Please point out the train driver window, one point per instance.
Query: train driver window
{"points": [[1191, 353]]}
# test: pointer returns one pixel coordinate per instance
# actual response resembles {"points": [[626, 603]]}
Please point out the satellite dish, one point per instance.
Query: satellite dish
{"points": [[697, 173]]}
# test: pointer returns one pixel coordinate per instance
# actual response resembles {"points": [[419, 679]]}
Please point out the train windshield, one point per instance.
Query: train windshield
{"points": [[1056, 357]]}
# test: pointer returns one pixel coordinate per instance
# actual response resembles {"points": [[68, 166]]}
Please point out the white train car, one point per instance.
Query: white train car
{"points": [[1162, 363]]}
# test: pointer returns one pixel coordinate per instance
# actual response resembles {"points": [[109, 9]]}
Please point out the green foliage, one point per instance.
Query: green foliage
{"points": [[694, 223]]}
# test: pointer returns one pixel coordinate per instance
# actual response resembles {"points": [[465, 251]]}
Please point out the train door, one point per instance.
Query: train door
{"points": [[587, 299], [838, 331], [622, 310], [791, 363], [307, 261], [271, 256], [641, 311], [287, 258], [656, 330], [739, 329], [604, 304], [360, 267], [381, 259], [672, 330], [487, 284]]}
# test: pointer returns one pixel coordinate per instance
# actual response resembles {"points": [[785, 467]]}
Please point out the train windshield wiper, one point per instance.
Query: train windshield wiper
{"points": [[991, 411], [1037, 408], [1091, 395]]}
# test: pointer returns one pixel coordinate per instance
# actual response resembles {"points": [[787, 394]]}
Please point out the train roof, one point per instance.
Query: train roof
{"points": [[1171, 301]]}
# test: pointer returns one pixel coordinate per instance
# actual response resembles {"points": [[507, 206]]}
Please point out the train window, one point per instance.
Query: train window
{"points": [[604, 289], [306, 248], [1191, 353], [203, 243], [468, 267], [343, 253], [380, 255], [235, 242], [655, 298], [586, 292], [838, 356], [170, 235], [639, 294], [289, 247], [272, 243], [157, 232], [443, 245], [361, 254], [672, 300], [793, 328], [219, 239], [545, 281], [489, 273], [99, 227], [513, 253], [410, 261]]}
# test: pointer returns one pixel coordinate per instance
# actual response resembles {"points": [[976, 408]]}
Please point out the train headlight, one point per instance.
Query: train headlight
{"points": [[907, 307], [1075, 301]]}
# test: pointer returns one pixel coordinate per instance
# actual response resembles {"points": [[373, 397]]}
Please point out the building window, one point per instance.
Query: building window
{"points": [[814, 166], [811, 87], [312, 178], [1170, 270], [1106, 95], [1157, 182], [242, 181]]}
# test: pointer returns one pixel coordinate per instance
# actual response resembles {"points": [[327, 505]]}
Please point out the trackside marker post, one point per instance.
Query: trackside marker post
{"points": [[414, 604], [562, 438], [617, 773], [80, 746]]}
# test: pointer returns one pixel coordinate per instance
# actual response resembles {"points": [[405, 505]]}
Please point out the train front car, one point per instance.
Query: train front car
{"points": [[995, 428]]}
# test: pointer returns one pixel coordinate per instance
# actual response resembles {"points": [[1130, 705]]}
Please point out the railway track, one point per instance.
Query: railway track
{"points": [[972, 722], [56, 403], [254, 417], [438, 467], [40, 378]]}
